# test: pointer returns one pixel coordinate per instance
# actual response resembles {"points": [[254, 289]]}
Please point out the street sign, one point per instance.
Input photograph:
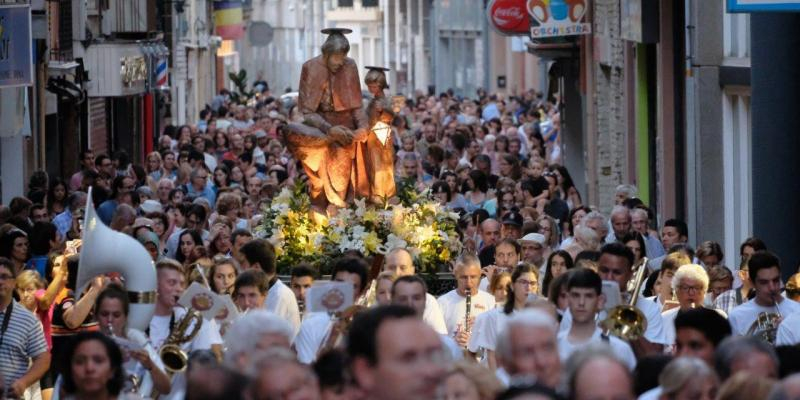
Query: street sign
{"points": [[748, 6], [558, 18], [16, 60]]}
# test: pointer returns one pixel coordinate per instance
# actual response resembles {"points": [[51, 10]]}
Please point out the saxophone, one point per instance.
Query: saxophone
{"points": [[171, 354]]}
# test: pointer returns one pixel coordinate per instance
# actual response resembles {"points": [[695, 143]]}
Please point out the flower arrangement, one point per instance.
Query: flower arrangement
{"points": [[425, 228]]}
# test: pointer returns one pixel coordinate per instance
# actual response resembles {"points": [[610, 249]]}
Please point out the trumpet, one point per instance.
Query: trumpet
{"points": [[625, 320], [171, 354], [765, 327]]}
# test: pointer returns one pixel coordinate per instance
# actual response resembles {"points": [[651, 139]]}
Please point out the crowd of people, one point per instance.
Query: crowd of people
{"points": [[546, 303]]}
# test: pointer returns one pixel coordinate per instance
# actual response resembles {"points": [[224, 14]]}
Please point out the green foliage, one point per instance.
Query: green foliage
{"points": [[241, 96]]}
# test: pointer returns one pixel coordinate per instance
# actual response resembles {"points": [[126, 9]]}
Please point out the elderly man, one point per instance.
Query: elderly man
{"points": [[461, 305], [640, 225], [165, 185], [745, 353], [690, 284], [394, 355], [596, 222], [620, 224], [527, 347], [258, 330], [277, 374], [596, 373], [533, 249], [400, 262]]}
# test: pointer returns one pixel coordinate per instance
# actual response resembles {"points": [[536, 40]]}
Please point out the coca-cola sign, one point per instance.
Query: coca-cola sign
{"points": [[509, 17]]}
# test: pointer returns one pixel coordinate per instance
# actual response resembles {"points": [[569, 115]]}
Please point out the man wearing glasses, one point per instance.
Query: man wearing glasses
{"points": [[24, 358]]}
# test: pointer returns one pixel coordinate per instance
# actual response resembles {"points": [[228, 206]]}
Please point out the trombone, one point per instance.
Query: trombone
{"points": [[625, 320]]}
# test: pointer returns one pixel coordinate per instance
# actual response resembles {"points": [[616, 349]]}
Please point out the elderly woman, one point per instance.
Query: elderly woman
{"points": [[690, 284], [688, 378]]}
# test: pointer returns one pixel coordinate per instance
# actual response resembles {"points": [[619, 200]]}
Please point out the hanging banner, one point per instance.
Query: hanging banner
{"points": [[16, 60], [228, 19], [557, 18], [509, 17]]}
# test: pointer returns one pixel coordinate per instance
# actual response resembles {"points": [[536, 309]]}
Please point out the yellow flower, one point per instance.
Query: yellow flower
{"points": [[370, 216], [445, 255], [371, 242]]}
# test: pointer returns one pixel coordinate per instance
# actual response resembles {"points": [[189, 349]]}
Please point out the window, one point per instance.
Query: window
{"points": [[345, 3], [736, 39], [737, 163], [369, 3]]}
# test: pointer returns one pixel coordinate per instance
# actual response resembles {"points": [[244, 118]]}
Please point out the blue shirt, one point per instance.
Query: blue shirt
{"points": [[23, 340], [207, 193]]}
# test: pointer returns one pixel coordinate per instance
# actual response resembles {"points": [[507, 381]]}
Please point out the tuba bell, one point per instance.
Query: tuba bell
{"points": [[625, 320], [105, 250]]}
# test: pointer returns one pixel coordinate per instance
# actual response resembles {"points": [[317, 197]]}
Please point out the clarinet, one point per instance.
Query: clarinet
{"points": [[469, 311]]}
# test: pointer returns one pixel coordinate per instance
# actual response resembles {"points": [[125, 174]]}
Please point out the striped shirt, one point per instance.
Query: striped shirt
{"points": [[23, 340]]}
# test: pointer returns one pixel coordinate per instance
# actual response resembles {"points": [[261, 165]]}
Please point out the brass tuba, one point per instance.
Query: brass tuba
{"points": [[625, 320], [104, 250], [765, 327], [171, 353]]}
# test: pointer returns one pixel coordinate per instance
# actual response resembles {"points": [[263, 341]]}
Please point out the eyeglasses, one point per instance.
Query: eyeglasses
{"points": [[524, 282], [689, 289]]}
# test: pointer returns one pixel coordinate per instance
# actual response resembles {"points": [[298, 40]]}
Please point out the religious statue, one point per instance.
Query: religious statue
{"points": [[378, 159], [334, 123]]}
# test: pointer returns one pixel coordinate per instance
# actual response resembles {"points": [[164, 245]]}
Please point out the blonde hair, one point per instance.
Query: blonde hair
{"points": [[483, 379], [744, 386], [673, 261], [29, 277], [496, 281], [387, 275]]}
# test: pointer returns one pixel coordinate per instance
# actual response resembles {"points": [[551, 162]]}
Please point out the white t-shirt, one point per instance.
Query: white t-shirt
{"points": [[433, 315], [281, 301], [313, 332], [207, 336], [622, 349], [454, 308], [487, 326], [652, 311], [743, 315], [789, 331], [451, 348]]}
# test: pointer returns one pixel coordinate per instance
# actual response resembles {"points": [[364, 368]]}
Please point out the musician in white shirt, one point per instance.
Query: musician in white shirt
{"points": [[260, 254], [454, 303], [615, 264], [316, 327], [143, 367], [506, 258], [168, 316], [400, 262], [764, 269]]}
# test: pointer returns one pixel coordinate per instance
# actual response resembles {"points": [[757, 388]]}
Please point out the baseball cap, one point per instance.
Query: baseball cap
{"points": [[533, 238], [142, 222], [260, 134], [513, 218], [149, 206]]}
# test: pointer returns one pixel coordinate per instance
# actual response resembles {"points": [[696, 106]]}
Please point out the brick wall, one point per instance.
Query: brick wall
{"points": [[609, 92]]}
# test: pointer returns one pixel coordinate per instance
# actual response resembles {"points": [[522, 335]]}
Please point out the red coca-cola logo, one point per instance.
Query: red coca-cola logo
{"points": [[510, 17]]}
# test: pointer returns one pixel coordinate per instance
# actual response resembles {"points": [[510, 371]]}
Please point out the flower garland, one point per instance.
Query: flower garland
{"points": [[425, 228]]}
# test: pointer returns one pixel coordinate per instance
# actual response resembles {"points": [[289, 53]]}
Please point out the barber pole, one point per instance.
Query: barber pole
{"points": [[161, 73]]}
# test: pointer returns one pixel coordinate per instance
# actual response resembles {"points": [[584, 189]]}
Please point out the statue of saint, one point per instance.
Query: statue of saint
{"points": [[334, 123], [378, 158]]}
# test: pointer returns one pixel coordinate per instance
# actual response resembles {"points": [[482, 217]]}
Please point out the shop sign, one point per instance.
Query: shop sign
{"points": [[747, 6], [557, 18], [509, 17], [16, 61], [133, 69]]}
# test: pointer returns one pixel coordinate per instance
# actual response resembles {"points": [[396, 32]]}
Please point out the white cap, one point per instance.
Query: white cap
{"points": [[533, 237], [149, 206]]}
